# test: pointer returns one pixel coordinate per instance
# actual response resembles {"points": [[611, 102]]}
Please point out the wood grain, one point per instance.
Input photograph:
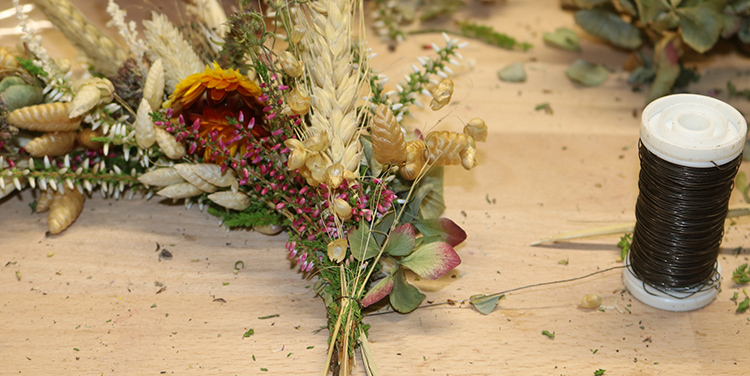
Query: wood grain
{"points": [[93, 308]]}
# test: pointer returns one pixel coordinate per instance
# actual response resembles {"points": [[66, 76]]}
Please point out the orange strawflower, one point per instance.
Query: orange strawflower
{"points": [[211, 98]]}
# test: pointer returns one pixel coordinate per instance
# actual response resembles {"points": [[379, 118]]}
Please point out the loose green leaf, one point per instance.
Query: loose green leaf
{"points": [[248, 333], [401, 241], [624, 245], [701, 26], [362, 243], [599, 372], [433, 204], [667, 69], [546, 107], [432, 260], [650, 9], [609, 26], [743, 306], [489, 35], [449, 230], [563, 38], [379, 291], [741, 275], [548, 334], [514, 72], [587, 74], [666, 21], [485, 304], [383, 226], [626, 6], [404, 297]]}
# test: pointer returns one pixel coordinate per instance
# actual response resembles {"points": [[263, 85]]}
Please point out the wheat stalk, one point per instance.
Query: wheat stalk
{"points": [[336, 83], [106, 55], [166, 42]]}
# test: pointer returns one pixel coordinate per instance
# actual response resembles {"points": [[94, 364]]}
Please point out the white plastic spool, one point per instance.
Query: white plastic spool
{"points": [[694, 131]]}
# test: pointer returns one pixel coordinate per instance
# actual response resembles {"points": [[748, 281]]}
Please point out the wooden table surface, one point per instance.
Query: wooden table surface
{"points": [[87, 301]]}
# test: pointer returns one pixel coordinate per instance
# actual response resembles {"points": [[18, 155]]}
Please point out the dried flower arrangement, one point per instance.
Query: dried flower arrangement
{"points": [[268, 135]]}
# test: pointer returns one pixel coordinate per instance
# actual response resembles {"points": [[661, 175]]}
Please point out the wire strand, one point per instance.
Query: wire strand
{"points": [[680, 216]]}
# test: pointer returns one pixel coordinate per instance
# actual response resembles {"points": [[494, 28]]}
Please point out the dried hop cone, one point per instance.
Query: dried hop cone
{"points": [[337, 250], [477, 129], [415, 159], [445, 148], [64, 210], [442, 94], [51, 144], [387, 138]]}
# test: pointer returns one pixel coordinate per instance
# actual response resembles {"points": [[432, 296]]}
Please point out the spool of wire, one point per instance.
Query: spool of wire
{"points": [[690, 151]]}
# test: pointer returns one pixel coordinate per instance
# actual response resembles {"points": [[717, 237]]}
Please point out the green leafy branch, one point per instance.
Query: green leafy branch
{"points": [[490, 36]]}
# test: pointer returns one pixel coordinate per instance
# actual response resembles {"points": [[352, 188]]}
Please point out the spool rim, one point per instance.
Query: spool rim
{"points": [[676, 300], [693, 130]]}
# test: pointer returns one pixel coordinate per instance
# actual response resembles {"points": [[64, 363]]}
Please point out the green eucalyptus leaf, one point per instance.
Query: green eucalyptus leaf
{"points": [[412, 212], [731, 26], [378, 292], [650, 9], [404, 297], [11, 81], [609, 26], [17, 96], [642, 75], [587, 74], [513, 72], [384, 226], [626, 6], [401, 241], [485, 304], [744, 32], [448, 230], [422, 240], [667, 70], [433, 203], [375, 167], [432, 260], [701, 26], [362, 244], [666, 21], [563, 38]]}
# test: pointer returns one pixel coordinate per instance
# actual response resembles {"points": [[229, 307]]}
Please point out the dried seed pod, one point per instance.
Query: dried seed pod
{"points": [[442, 94], [387, 138], [477, 129], [317, 165], [64, 210], [342, 208], [46, 117], [415, 159], [19, 96], [231, 200], [290, 64], [590, 301], [444, 147], [145, 135], [51, 144], [44, 201], [161, 177], [293, 143], [298, 31], [298, 102], [8, 61], [213, 175], [296, 158], [468, 158], [334, 175], [153, 88], [6, 186], [179, 190], [337, 250], [317, 142], [84, 138], [168, 144], [89, 94], [186, 171]]}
